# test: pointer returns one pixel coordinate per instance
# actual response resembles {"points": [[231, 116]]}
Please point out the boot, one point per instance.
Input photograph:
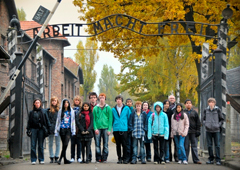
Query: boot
{"points": [[51, 160], [56, 159], [59, 161]]}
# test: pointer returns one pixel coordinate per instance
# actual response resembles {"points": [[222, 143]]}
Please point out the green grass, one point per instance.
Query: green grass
{"points": [[6, 156]]}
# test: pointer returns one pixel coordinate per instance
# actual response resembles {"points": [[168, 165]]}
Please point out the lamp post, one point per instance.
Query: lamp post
{"points": [[220, 69]]}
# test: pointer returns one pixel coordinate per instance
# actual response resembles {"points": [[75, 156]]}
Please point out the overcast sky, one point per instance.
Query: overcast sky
{"points": [[68, 13]]}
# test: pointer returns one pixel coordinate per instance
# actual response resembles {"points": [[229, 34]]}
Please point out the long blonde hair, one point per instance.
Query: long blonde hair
{"points": [[54, 109], [77, 97]]}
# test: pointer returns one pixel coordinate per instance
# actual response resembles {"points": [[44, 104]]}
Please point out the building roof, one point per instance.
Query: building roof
{"points": [[28, 26], [12, 10], [233, 81], [74, 68]]}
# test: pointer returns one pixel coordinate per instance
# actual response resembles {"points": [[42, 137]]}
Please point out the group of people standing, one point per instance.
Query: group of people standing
{"points": [[134, 129]]}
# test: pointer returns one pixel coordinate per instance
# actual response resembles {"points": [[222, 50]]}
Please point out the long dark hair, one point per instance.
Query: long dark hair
{"points": [[175, 114], [34, 103], [63, 108], [89, 109]]}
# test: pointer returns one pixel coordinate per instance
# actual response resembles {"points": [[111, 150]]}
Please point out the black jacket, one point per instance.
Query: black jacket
{"points": [[38, 118], [212, 119], [169, 113], [194, 121], [81, 124], [132, 119], [52, 118]]}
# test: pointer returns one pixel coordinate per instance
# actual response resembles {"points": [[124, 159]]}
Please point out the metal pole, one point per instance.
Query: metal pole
{"points": [[14, 76]]}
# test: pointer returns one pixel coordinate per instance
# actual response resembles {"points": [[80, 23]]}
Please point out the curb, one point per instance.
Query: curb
{"points": [[231, 165], [6, 162]]}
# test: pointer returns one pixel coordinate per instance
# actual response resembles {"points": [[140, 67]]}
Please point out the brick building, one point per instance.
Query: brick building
{"points": [[46, 73], [7, 10]]}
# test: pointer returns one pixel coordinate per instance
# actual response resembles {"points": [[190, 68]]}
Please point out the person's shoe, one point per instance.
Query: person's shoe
{"points": [[133, 162], [179, 162], [82, 162], [148, 160], [198, 162], [139, 160], [41, 162], [218, 163], [97, 161], [67, 162], [33, 163], [209, 162], [185, 162], [59, 162], [125, 162], [56, 159], [167, 161], [104, 161], [143, 162], [79, 160], [72, 160], [176, 160], [119, 162], [163, 163], [87, 161], [51, 160], [155, 163]]}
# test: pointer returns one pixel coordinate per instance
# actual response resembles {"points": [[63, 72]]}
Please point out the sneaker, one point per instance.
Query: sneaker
{"points": [[209, 162], [148, 160], [79, 160], [167, 161], [198, 162], [185, 162], [155, 162], [105, 161], [163, 163], [72, 160], [33, 163], [179, 162], [41, 162], [218, 163], [98, 161]]}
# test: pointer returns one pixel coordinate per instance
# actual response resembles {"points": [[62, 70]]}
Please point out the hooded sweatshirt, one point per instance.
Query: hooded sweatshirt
{"points": [[59, 120], [102, 118], [158, 124]]}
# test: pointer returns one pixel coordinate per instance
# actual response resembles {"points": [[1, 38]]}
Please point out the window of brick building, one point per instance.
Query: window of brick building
{"points": [[3, 38], [46, 75], [69, 91], [62, 91], [62, 62], [65, 86]]}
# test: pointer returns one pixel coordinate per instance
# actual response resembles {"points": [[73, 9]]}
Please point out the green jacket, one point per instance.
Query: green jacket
{"points": [[102, 119]]}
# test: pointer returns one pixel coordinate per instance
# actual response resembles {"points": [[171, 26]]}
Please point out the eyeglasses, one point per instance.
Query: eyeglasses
{"points": [[92, 97]]}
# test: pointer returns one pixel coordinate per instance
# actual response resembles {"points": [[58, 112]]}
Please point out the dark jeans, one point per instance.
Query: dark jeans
{"points": [[158, 145], [191, 139], [37, 137], [102, 134], [216, 138], [85, 145], [75, 141], [65, 139], [175, 155], [129, 147], [121, 141], [148, 150], [135, 142]]}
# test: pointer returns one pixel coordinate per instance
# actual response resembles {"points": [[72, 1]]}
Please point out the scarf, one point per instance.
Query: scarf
{"points": [[178, 116], [87, 118], [148, 111]]}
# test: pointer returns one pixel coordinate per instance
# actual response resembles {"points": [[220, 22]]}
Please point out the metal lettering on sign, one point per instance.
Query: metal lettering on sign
{"points": [[41, 15], [127, 22]]}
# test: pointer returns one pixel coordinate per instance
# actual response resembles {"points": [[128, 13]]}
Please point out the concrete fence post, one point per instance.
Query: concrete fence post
{"points": [[228, 146]]}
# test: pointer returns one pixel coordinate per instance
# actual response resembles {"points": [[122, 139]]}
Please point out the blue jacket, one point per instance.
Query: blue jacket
{"points": [[120, 123], [132, 120], [160, 124]]}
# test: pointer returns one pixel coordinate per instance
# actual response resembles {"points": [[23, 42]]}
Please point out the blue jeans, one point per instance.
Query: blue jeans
{"points": [[216, 137], [50, 145], [180, 147], [102, 133], [166, 150], [37, 137], [75, 141], [135, 148]]}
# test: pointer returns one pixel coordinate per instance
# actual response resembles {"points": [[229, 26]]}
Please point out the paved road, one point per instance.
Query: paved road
{"points": [[111, 165]]}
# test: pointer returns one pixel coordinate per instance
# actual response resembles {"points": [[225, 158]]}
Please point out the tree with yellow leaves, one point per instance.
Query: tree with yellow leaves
{"points": [[123, 42], [87, 58]]}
